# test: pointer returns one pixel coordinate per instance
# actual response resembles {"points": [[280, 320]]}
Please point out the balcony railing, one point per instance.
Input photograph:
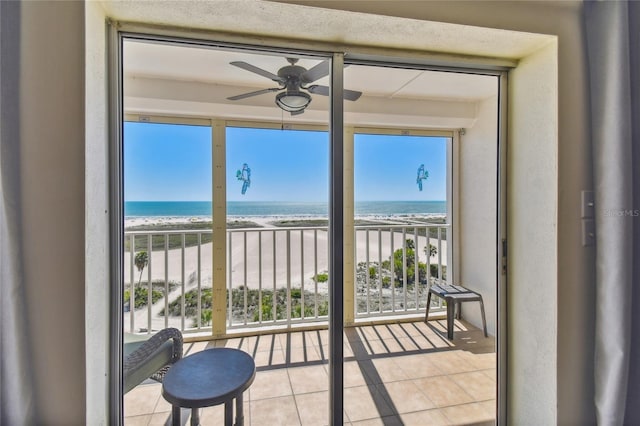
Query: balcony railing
{"points": [[276, 276]]}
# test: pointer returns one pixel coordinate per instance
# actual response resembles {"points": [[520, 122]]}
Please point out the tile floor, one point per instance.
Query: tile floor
{"points": [[394, 374]]}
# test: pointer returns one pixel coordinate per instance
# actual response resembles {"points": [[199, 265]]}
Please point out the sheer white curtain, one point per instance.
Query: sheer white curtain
{"points": [[17, 396], [613, 32]]}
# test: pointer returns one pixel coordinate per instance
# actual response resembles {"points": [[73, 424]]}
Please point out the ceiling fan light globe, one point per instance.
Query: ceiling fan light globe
{"points": [[293, 101]]}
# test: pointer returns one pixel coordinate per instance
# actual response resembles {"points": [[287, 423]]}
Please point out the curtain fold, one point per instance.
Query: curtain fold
{"points": [[612, 50], [17, 392]]}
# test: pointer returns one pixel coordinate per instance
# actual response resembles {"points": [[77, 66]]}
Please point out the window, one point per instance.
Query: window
{"points": [[401, 209]]}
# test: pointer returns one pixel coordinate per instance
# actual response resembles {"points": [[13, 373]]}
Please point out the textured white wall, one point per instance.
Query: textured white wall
{"points": [[96, 218], [532, 203], [478, 214]]}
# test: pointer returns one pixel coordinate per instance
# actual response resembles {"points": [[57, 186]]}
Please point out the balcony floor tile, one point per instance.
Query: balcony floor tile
{"points": [[406, 373]]}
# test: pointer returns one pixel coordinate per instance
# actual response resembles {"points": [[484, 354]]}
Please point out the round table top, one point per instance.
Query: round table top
{"points": [[208, 378]]}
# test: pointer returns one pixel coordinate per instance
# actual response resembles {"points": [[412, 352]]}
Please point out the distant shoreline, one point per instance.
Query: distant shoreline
{"points": [[273, 221]]}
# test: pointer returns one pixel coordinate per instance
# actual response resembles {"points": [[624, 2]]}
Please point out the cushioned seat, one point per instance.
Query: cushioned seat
{"points": [[146, 357]]}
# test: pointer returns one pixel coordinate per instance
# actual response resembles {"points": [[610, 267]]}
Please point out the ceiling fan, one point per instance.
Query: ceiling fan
{"points": [[292, 80]]}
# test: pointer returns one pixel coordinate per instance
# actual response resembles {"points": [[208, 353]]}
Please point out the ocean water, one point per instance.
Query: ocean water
{"points": [[134, 209]]}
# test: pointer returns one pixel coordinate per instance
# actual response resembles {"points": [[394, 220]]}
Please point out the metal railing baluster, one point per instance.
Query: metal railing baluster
{"points": [[149, 282], [302, 274], [254, 239], [166, 280], [244, 264], [260, 277], [199, 319], [132, 284], [182, 273], [366, 274]]}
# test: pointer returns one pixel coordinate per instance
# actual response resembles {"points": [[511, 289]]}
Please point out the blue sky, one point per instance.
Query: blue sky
{"points": [[173, 163]]}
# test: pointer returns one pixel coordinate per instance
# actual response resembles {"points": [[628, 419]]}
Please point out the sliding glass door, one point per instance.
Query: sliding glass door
{"points": [[282, 204]]}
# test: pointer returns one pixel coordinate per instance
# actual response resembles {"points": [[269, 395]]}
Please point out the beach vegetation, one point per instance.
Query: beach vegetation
{"points": [[298, 223], [322, 277], [253, 302], [141, 297], [373, 272], [410, 266], [205, 318], [141, 260]]}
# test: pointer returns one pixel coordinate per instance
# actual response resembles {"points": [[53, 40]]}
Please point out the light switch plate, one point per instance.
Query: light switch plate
{"points": [[588, 204]]}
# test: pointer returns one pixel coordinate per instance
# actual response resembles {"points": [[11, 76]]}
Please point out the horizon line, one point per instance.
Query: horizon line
{"points": [[277, 201]]}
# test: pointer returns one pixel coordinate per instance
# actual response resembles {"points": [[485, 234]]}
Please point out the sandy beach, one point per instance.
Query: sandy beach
{"points": [[299, 254]]}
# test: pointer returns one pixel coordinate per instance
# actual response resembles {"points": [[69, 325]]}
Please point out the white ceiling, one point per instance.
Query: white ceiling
{"points": [[213, 66], [176, 79], [186, 81]]}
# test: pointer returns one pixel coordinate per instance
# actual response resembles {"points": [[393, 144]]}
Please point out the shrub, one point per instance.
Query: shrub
{"points": [[141, 297], [322, 277]]}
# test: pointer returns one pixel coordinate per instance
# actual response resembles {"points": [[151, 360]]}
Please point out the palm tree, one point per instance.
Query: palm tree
{"points": [[141, 260], [432, 250]]}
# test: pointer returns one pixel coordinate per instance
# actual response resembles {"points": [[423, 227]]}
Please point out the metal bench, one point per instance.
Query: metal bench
{"points": [[455, 295]]}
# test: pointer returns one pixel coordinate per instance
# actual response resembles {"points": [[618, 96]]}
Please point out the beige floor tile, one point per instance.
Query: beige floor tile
{"points": [[308, 379], [424, 418], [160, 419], [269, 358], [378, 332], [137, 420], [215, 415], [347, 351], [295, 339], [365, 348], [443, 391], [416, 366], [491, 373], [313, 408], [295, 355], [405, 397], [388, 370], [482, 361], [451, 362], [385, 421], [408, 343], [424, 343], [365, 402], [353, 375], [270, 384], [246, 344], [267, 342], [398, 329], [476, 384], [194, 347], [475, 413], [396, 346], [276, 411], [162, 405], [141, 400], [369, 422], [415, 329], [472, 340]]}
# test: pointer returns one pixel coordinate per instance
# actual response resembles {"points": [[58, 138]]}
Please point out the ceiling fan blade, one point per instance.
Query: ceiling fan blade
{"points": [[318, 71], [319, 90], [259, 71], [297, 112], [256, 93], [350, 95]]}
